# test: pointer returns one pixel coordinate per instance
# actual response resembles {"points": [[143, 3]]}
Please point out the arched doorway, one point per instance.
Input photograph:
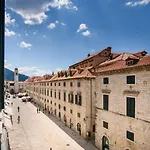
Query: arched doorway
{"points": [[65, 120], [105, 143], [59, 115], [70, 123], [79, 128]]}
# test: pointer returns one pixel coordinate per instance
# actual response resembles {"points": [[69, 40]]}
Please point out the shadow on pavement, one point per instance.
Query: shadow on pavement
{"points": [[87, 145]]}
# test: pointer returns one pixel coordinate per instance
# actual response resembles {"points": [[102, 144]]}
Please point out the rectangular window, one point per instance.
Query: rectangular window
{"points": [[59, 95], [71, 111], [69, 98], [64, 96], [55, 84], [105, 80], [131, 79], [78, 84], [130, 107], [130, 135], [55, 94], [105, 102], [72, 99], [105, 124], [64, 108], [51, 93], [71, 84], [59, 83], [64, 83], [51, 84], [47, 92]]}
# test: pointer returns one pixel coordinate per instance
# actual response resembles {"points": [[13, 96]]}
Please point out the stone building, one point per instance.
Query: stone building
{"points": [[68, 96], [123, 103], [106, 92]]}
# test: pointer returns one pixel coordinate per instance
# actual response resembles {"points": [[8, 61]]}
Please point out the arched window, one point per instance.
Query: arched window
{"points": [[105, 143]]}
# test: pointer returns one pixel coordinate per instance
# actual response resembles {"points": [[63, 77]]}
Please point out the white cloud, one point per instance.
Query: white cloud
{"points": [[86, 33], [19, 35], [56, 21], [7, 65], [26, 34], [52, 26], [82, 27], [25, 45], [8, 32], [33, 71], [34, 12], [60, 3], [63, 24], [141, 2], [8, 20]]}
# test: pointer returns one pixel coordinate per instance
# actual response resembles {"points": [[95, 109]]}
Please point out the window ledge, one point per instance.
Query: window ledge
{"points": [[106, 91], [133, 92]]}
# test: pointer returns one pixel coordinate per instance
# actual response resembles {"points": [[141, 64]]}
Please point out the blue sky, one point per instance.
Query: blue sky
{"points": [[52, 34]]}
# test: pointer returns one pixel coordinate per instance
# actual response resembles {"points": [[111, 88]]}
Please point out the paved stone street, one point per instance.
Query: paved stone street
{"points": [[38, 132]]}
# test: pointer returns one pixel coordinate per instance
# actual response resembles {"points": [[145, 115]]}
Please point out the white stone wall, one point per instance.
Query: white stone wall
{"points": [[118, 122], [86, 109]]}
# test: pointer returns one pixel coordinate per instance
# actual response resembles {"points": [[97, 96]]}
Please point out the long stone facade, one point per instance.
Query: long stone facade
{"points": [[107, 100]]}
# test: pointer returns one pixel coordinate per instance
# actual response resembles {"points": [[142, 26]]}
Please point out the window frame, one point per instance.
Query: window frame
{"points": [[105, 80], [129, 106], [129, 81], [104, 103], [130, 136]]}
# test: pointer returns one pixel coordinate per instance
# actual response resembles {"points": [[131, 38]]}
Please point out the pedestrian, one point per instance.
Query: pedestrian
{"points": [[18, 109], [18, 119], [37, 110]]}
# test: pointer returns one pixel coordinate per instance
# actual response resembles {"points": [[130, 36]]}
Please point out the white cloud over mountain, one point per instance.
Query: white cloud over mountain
{"points": [[33, 71]]}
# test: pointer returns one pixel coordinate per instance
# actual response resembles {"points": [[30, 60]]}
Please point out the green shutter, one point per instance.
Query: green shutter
{"points": [[130, 107]]}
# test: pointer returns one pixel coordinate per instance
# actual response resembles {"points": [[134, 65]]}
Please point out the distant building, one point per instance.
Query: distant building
{"points": [[105, 96], [13, 86]]}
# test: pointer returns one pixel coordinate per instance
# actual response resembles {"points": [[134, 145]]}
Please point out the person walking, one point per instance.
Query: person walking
{"points": [[18, 109], [18, 119], [37, 110]]}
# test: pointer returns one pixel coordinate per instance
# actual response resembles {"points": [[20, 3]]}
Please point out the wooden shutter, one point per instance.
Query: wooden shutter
{"points": [[131, 107], [105, 102]]}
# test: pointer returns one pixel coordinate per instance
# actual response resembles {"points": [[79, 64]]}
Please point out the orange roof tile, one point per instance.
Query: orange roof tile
{"points": [[121, 64]]}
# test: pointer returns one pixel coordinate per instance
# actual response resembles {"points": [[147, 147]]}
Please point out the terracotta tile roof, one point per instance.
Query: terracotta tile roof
{"points": [[139, 54], [123, 56], [91, 56], [80, 73], [121, 64]]}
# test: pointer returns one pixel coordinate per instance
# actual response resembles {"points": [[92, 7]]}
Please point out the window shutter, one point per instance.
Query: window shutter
{"points": [[80, 99], [68, 97], [105, 102], [75, 99]]}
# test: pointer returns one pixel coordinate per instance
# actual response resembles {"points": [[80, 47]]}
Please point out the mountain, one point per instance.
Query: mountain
{"points": [[9, 75]]}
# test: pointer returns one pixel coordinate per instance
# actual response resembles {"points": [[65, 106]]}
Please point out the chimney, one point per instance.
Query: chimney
{"points": [[109, 48], [88, 55]]}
